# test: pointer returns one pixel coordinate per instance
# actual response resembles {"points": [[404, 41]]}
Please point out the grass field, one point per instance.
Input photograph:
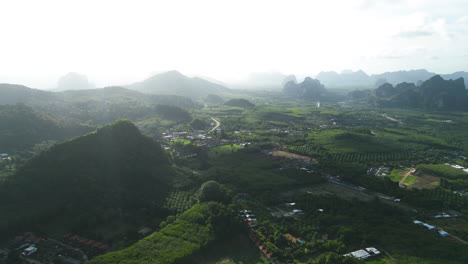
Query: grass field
{"points": [[397, 175]]}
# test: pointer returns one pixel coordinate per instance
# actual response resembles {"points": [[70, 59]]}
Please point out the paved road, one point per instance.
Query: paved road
{"points": [[217, 125]]}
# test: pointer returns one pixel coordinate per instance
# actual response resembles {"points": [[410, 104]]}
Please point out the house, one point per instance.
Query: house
{"points": [[290, 238], [4, 155], [359, 254], [372, 251], [428, 226], [29, 251], [297, 211], [443, 233], [364, 253]]}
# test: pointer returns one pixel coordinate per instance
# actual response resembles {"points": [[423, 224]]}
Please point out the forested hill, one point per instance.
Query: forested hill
{"points": [[94, 174], [433, 94], [94, 106], [173, 82], [14, 93], [21, 127]]}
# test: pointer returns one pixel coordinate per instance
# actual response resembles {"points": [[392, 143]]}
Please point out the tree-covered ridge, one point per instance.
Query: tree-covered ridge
{"points": [[433, 94], [22, 127], [113, 167], [177, 241], [93, 106]]}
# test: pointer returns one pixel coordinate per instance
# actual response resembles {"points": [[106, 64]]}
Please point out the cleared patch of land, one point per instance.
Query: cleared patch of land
{"points": [[425, 181], [284, 154]]}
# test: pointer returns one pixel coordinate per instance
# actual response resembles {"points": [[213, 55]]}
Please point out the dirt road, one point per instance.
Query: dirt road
{"points": [[406, 176], [216, 126]]}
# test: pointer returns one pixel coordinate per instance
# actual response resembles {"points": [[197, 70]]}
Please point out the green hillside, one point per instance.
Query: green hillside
{"points": [[22, 127], [177, 241], [85, 181]]}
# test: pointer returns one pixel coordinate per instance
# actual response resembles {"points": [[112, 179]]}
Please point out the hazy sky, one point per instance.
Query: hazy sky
{"points": [[118, 42]]}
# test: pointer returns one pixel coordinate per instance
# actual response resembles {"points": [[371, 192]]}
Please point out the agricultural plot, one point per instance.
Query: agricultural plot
{"points": [[342, 141], [365, 157], [179, 201]]}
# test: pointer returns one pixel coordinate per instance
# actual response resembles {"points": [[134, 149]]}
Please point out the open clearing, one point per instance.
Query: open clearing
{"points": [[425, 181], [284, 154]]}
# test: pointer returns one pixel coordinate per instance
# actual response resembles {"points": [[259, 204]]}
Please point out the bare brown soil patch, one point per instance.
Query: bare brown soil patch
{"points": [[284, 154], [425, 181]]}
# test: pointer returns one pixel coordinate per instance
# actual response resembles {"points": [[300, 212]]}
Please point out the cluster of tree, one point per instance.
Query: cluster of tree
{"points": [[442, 170], [22, 127], [214, 99], [356, 224], [179, 238], [174, 113], [213, 191]]}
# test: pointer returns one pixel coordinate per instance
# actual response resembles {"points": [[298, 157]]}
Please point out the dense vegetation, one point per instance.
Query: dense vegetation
{"points": [[178, 239], [22, 127], [86, 180], [342, 162]]}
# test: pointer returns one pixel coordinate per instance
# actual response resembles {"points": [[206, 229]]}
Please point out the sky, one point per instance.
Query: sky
{"points": [[123, 41]]}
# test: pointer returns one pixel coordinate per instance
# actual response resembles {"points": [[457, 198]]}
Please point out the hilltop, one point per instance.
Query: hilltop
{"points": [[173, 82]]}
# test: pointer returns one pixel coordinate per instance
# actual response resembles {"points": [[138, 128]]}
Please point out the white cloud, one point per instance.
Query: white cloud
{"points": [[120, 41], [422, 25], [462, 20]]}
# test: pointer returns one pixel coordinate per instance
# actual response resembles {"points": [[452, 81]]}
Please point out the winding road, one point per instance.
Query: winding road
{"points": [[216, 126]]}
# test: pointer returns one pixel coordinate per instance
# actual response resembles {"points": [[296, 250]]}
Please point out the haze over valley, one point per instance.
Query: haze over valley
{"points": [[214, 132]]}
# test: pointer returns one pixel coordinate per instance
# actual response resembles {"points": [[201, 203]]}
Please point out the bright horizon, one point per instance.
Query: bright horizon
{"points": [[121, 42]]}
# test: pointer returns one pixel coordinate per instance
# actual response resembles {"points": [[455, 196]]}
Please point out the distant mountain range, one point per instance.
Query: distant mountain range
{"points": [[433, 94], [362, 80], [99, 106], [173, 82]]}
